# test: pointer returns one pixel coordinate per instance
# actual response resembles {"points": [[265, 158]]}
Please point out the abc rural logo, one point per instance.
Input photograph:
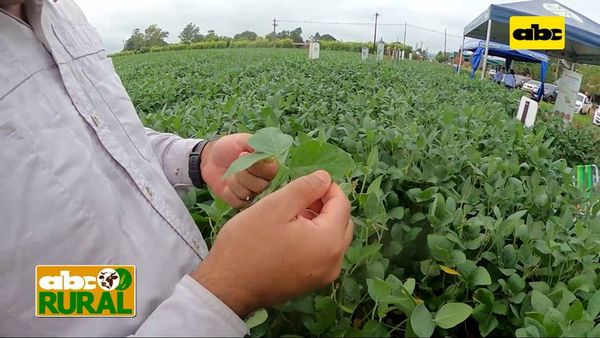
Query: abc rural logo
{"points": [[537, 32], [85, 291]]}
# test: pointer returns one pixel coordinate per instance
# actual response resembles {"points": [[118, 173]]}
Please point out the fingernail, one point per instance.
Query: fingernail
{"points": [[322, 175]]}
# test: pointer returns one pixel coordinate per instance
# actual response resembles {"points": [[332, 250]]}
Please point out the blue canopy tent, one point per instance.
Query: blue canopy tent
{"points": [[497, 49], [582, 35]]}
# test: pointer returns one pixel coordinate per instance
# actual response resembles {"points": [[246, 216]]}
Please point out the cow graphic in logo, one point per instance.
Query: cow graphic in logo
{"points": [[108, 279]]}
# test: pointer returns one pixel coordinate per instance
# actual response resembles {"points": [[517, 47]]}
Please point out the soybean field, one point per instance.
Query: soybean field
{"points": [[467, 223]]}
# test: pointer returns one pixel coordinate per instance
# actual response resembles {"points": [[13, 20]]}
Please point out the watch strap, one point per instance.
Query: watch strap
{"points": [[195, 160]]}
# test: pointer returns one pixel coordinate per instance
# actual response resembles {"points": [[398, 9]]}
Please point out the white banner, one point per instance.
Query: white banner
{"points": [[364, 54], [568, 87], [313, 50], [380, 50], [527, 111]]}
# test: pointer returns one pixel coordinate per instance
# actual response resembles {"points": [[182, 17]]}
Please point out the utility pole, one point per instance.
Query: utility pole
{"points": [[274, 28], [375, 34], [445, 39], [404, 41]]}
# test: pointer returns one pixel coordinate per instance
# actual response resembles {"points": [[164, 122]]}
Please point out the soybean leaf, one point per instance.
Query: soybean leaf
{"points": [[452, 314], [593, 307], [244, 163], [378, 289], [421, 321], [481, 277], [257, 318], [484, 296], [409, 285], [374, 328], [575, 311], [189, 199], [487, 326], [540, 302], [540, 196], [449, 270], [515, 283], [396, 213], [315, 155], [270, 141]]}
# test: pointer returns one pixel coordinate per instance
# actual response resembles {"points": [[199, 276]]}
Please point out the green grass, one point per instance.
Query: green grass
{"points": [[582, 120]]}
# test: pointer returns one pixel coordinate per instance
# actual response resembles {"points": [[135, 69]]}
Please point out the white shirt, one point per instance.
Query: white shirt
{"points": [[498, 76], [509, 80], [84, 183]]}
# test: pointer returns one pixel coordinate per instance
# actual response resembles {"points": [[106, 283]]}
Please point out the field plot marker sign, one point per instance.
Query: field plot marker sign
{"points": [[314, 50], [364, 54], [380, 50], [568, 87], [527, 111]]}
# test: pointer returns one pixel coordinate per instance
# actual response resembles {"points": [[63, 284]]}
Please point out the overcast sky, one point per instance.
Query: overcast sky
{"points": [[116, 19]]}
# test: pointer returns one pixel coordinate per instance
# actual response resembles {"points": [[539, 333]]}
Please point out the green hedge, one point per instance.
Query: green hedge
{"points": [[261, 43]]}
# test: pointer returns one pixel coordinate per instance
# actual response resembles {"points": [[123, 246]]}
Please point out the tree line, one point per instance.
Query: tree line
{"points": [[154, 36]]}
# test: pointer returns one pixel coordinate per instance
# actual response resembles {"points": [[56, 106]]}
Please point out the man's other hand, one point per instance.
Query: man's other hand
{"points": [[240, 189], [290, 242]]}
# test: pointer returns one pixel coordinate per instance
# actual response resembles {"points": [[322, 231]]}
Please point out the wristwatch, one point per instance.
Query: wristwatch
{"points": [[194, 164]]}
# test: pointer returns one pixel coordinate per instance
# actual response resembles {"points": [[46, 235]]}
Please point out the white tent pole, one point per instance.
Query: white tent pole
{"points": [[487, 46], [462, 52]]}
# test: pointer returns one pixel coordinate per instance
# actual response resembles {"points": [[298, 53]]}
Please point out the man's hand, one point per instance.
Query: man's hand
{"points": [[240, 189], [291, 242]]}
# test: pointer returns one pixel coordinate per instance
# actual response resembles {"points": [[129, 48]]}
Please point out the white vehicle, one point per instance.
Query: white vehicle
{"points": [[582, 99], [531, 86], [596, 117]]}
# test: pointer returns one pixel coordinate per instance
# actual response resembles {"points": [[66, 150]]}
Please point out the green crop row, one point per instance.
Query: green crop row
{"points": [[467, 223], [260, 43]]}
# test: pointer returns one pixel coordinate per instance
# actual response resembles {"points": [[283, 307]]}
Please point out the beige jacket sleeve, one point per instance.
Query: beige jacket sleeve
{"points": [[173, 153], [192, 311]]}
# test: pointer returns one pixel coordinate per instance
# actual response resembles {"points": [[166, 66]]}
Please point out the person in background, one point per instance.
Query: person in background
{"points": [[499, 75], [510, 80], [84, 183]]}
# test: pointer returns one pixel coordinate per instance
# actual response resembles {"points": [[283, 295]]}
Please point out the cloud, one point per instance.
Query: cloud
{"points": [[116, 19]]}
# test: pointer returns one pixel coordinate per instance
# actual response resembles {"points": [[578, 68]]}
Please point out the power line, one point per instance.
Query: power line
{"points": [[328, 22], [370, 23]]}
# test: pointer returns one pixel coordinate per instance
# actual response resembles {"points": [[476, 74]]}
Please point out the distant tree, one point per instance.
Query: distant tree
{"points": [[296, 35], [136, 41], [327, 37], [440, 57], [270, 36], [317, 36], [155, 36], [211, 36], [246, 35], [191, 33]]}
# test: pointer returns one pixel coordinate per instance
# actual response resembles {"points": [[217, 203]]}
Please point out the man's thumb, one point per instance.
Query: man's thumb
{"points": [[299, 194]]}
